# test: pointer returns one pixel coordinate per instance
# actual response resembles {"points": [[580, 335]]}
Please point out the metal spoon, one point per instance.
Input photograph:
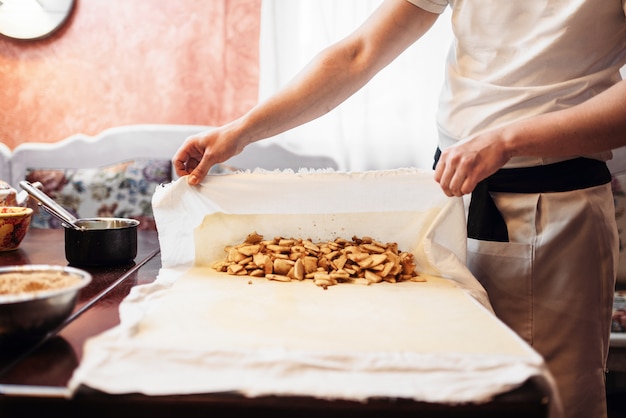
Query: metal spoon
{"points": [[50, 205]]}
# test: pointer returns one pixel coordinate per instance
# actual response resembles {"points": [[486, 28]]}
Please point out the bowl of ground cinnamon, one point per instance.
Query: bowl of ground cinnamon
{"points": [[35, 300]]}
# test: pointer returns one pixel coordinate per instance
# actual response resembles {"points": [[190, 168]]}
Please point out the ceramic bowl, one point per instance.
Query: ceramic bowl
{"points": [[14, 224]]}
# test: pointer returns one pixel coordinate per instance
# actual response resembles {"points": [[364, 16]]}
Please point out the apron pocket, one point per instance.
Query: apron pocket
{"points": [[504, 269]]}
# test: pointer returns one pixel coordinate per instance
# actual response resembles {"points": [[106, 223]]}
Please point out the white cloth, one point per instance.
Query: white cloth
{"points": [[516, 59], [196, 330], [179, 209]]}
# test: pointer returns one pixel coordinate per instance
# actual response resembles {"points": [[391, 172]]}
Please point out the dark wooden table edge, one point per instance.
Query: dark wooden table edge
{"points": [[525, 401]]}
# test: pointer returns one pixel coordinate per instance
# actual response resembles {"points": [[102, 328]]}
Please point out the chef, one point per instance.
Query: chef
{"points": [[532, 104]]}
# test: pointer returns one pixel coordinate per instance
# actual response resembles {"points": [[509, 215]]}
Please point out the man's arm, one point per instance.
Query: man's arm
{"points": [[596, 125], [329, 79]]}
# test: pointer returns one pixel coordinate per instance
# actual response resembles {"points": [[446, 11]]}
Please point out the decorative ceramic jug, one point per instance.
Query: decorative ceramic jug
{"points": [[11, 197]]}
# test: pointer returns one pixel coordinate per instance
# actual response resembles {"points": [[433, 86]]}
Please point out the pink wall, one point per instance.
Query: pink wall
{"points": [[119, 62]]}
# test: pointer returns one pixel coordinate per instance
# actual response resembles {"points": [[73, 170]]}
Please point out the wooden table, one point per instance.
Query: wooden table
{"points": [[33, 380], [96, 309]]}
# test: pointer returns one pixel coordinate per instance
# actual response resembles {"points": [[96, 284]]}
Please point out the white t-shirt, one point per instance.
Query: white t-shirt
{"points": [[515, 59]]}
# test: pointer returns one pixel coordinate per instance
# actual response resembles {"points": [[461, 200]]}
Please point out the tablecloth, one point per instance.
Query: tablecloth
{"points": [[195, 330]]}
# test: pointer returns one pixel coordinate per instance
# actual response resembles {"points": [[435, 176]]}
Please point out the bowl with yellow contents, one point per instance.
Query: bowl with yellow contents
{"points": [[14, 224]]}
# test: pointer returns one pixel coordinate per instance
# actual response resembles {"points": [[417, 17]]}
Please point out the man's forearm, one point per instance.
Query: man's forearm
{"points": [[597, 125]]}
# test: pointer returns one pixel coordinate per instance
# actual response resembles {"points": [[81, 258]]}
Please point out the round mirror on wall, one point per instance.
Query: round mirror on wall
{"points": [[33, 19]]}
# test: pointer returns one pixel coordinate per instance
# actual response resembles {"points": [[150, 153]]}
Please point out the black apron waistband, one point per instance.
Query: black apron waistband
{"points": [[485, 221]]}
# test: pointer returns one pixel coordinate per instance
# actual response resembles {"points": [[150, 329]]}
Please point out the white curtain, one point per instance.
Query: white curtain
{"points": [[390, 123]]}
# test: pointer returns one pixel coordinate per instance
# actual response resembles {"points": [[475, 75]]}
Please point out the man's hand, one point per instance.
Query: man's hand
{"points": [[201, 151], [463, 165]]}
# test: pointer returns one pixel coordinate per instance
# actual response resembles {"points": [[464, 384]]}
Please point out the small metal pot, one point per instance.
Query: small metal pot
{"points": [[91, 241], [101, 241]]}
